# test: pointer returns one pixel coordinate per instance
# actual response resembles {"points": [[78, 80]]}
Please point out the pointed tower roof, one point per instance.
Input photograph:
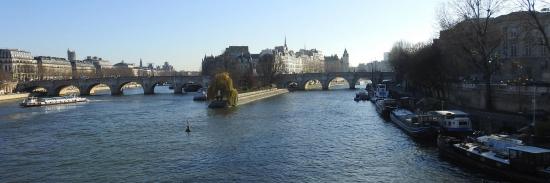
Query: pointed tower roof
{"points": [[346, 52]]}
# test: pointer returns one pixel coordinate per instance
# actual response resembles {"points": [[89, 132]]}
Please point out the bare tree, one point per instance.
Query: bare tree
{"points": [[476, 38], [270, 68], [534, 20]]}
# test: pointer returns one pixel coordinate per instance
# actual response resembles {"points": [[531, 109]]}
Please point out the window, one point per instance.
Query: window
{"points": [[514, 50], [527, 50]]}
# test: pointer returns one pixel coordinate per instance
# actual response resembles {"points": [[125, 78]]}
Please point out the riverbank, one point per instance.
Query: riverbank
{"points": [[13, 96], [248, 97], [488, 121]]}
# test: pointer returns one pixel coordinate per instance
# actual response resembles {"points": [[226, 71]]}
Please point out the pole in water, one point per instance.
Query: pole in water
{"points": [[188, 129]]}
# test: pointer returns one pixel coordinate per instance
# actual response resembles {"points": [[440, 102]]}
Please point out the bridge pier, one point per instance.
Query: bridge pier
{"points": [[84, 91], [178, 89], [325, 85], [52, 92], [351, 86], [148, 90], [116, 92]]}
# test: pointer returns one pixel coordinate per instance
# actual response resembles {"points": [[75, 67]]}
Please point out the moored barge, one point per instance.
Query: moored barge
{"points": [[417, 126], [499, 156]]}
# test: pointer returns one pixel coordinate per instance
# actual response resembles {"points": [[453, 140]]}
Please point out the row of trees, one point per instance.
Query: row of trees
{"points": [[420, 65], [469, 44]]}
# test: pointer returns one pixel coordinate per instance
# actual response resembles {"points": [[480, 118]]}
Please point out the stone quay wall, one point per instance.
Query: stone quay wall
{"points": [[248, 97], [511, 99], [13, 96]]}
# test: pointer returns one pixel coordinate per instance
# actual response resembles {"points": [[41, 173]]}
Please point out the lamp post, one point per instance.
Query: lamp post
{"points": [[534, 104]]}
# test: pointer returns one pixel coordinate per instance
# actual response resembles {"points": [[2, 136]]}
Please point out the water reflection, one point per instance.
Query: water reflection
{"points": [[316, 136]]}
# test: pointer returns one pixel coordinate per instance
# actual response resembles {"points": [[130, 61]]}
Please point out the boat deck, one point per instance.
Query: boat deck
{"points": [[471, 147]]}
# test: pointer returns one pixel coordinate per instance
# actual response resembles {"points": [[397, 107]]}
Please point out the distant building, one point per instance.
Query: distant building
{"points": [[335, 64], [98, 63], [521, 52], [71, 55], [236, 60], [309, 61], [293, 63], [18, 64], [375, 66], [50, 68]]}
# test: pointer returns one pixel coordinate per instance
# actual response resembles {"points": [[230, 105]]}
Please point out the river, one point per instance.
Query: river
{"points": [[311, 136]]}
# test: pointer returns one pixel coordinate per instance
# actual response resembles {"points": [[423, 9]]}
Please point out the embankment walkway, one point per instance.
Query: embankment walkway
{"points": [[245, 98]]}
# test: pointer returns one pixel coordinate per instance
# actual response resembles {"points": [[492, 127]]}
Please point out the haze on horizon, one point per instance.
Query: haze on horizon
{"points": [[182, 32]]}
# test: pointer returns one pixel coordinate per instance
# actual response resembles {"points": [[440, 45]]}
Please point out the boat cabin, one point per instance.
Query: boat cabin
{"points": [[529, 158], [452, 120], [381, 91]]}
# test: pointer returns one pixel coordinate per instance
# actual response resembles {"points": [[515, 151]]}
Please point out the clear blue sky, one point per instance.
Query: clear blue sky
{"points": [[182, 32]]}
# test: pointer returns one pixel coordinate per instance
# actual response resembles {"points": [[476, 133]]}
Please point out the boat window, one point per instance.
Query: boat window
{"points": [[462, 123]]}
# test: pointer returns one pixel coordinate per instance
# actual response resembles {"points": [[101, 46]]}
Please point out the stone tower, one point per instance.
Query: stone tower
{"points": [[71, 56], [345, 61]]}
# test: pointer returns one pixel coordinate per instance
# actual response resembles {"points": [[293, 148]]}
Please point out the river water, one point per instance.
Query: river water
{"points": [[312, 136]]}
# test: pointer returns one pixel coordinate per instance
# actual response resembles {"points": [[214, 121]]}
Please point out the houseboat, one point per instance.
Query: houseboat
{"points": [[499, 155], [452, 122], [417, 126], [362, 95], [200, 95], [380, 92], [385, 106], [35, 101]]}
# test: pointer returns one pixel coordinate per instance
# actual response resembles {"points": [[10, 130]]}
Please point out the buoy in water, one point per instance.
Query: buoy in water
{"points": [[188, 129]]}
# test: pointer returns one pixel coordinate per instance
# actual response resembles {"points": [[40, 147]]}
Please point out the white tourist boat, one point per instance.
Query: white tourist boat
{"points": [[35, 101]]}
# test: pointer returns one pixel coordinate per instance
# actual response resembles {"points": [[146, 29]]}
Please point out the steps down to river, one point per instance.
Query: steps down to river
{"points": [[248, 97]]}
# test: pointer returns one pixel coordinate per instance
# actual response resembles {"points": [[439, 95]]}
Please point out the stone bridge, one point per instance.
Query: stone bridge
{"points": [[54, 87], [325, 78]]}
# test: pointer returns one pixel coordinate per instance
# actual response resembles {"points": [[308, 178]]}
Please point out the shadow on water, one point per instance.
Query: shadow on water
{"points": [[227, 112]]}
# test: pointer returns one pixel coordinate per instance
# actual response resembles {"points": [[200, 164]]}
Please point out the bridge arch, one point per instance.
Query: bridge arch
{"points": [[312, 84], [356, 81], [117, 89], [89, 89], [333, 78], [64, 89], [36, 90], [149, 87]]}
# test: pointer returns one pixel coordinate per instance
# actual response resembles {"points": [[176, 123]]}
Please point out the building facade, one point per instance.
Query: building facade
{"points": [[522, 55], [50, 68], [335, 64], [18, 65]]}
